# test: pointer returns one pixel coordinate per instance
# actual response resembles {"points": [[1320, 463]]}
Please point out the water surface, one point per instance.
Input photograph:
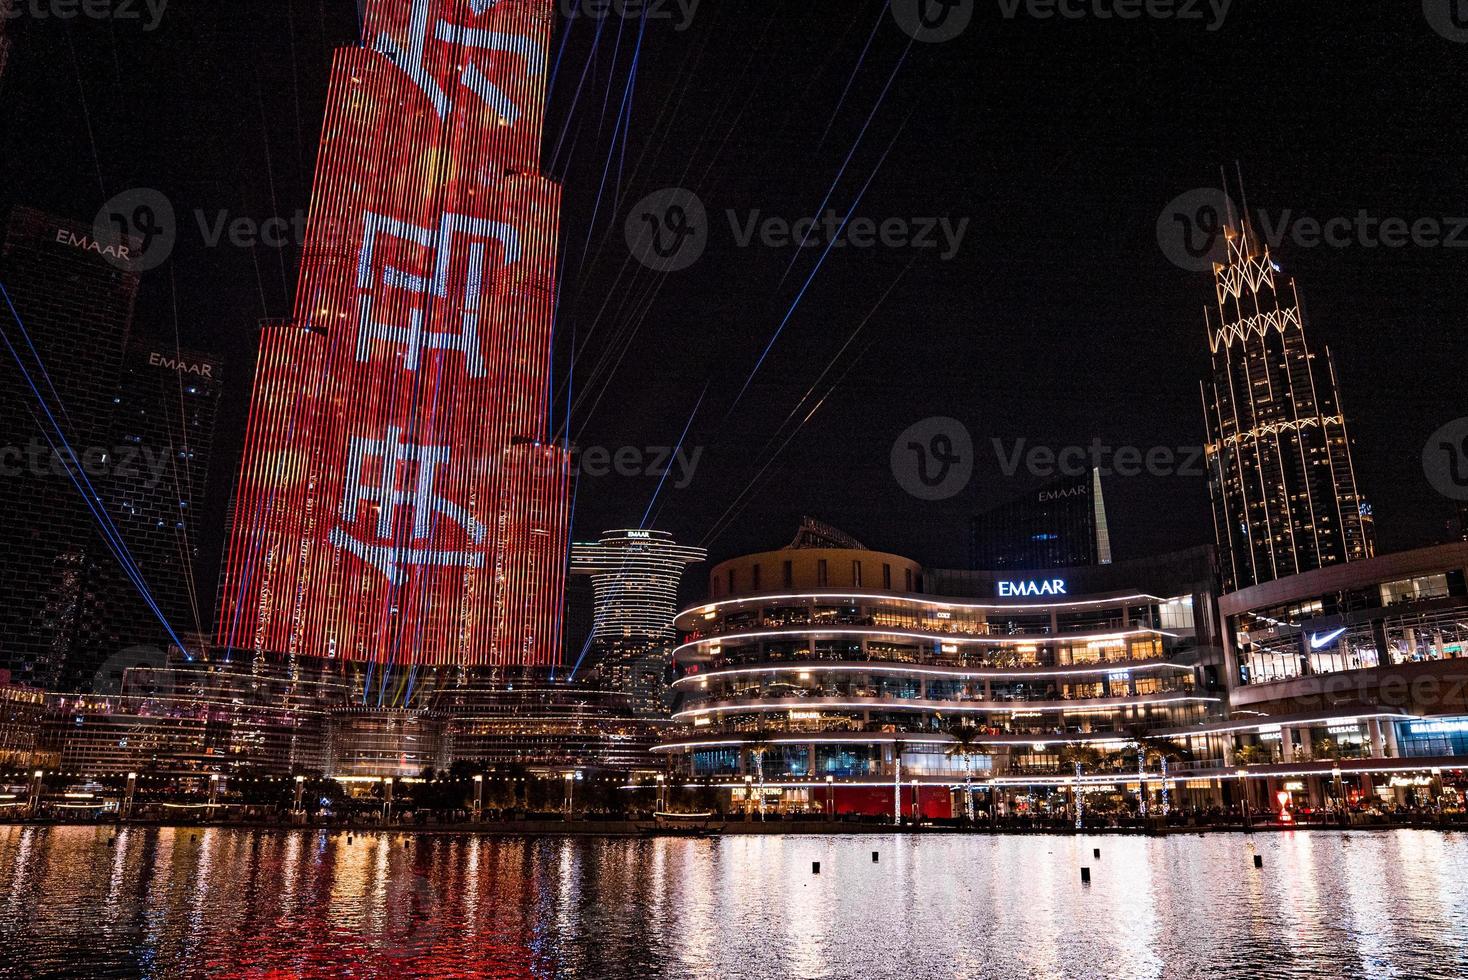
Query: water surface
{"points": [[244, 903]]}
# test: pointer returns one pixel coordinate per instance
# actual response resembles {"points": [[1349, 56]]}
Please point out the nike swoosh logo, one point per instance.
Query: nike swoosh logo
{"points": [[1317, 641]]}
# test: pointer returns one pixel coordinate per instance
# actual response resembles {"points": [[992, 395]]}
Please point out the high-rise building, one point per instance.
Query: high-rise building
{"points": [[161, 438], [635, 576], [1279, 455], [399, 503], [93, 562], [1058, 525]]}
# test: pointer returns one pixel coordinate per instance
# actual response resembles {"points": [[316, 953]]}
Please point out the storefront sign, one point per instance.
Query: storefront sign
{"points": [[1032, 587]]}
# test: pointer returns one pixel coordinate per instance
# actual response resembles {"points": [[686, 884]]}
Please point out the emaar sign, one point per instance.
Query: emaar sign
{"points": [[1032, 587]]}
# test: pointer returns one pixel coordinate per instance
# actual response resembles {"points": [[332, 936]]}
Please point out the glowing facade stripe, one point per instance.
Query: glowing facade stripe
{"points": [[863, 738], [1021, 639], [918, 670], [958, 605], [1075, 706], [398, 501]]}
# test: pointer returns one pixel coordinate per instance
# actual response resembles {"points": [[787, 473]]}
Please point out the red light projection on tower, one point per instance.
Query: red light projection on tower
{"points": [[398, 502]]}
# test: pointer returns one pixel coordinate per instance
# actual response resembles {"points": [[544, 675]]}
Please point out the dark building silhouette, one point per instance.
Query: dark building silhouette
{"points": [[1058, 525], [94, 486]]}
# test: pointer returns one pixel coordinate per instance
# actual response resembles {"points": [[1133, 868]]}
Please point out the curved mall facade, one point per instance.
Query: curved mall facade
{"points": [[829, 679]]}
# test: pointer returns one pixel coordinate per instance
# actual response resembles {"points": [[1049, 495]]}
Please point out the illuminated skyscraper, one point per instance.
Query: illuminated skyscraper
{"points": [[398, 502], [1279, 455], [634, 578]]}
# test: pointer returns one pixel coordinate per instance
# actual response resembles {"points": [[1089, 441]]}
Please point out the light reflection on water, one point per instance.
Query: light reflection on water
{"points": [[213, 902]]}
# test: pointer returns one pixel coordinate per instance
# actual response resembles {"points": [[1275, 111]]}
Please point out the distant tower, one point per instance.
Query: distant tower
{"points": [[634, 578], [1279, 456]]}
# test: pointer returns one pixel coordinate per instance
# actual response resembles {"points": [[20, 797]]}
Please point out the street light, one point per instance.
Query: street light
{"points": [[662, 783], [570, 793], [830, 798], [1340, 794]]}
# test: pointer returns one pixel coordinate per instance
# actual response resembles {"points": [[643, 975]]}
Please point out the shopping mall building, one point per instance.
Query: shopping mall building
{"points": [[837, 679], [845, 680], [1350, 682]]}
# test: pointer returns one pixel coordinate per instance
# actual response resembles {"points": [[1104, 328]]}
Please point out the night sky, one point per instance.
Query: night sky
{"points": [[1058, 320]]}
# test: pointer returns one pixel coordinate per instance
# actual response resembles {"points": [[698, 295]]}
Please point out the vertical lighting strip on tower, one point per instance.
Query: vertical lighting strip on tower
{"points": [[399, 502], [1279, 457]]}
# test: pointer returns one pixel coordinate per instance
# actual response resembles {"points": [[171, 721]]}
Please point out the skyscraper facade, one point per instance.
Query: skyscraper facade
{"points": [[161, 438], [398, 501], [635, 575], [107, 441], [1058, 525], [1280, 474]]}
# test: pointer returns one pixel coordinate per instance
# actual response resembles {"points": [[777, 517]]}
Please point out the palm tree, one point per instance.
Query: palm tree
{"points": [[1080, 756], [964, 747], [758, 746], [1250, 754], [1155, 748]]}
